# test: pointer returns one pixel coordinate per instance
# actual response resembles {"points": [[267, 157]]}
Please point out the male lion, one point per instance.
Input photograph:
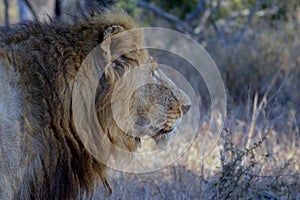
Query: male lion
{"points": [[42, 154]]}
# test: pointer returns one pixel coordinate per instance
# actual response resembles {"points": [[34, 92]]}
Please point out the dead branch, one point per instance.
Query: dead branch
{"points": [[6, 6], [197, 11], [179, 24], [203, 21], [31, 9], [215, 9], [249, 19], [58, 8]]}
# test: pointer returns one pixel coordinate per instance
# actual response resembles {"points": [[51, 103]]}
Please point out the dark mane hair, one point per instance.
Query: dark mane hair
{"points": [[45, 57]]}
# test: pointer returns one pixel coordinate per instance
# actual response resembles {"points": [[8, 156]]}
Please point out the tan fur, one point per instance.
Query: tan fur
{"points": [[42, 155]]}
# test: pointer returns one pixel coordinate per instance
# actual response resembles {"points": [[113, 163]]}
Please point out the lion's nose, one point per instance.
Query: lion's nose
{"points": [[185, 108]]}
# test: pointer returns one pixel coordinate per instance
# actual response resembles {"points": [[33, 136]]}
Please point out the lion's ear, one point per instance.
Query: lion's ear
{"points": [[119, 42], [107, 36]]}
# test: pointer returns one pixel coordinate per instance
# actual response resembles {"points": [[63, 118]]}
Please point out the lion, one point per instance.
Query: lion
{"points": [[42, 152]]}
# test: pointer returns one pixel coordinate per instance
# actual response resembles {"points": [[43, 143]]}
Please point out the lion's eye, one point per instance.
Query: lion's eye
{"points": [[155, 74]]}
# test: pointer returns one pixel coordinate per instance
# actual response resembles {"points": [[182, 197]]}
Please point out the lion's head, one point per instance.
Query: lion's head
{"points": [[134, 98], [144, 101]]}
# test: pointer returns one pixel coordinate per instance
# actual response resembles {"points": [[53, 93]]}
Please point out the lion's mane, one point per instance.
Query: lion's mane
{"points": [[42, 156]]}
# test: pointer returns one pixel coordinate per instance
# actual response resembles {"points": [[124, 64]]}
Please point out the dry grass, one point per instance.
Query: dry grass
{"points": [[268, 169]]}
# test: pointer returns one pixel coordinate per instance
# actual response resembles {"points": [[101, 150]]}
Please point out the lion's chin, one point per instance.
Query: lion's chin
{"points": [[162, 136]]}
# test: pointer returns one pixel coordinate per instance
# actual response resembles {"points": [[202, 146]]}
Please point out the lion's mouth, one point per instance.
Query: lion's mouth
{"points": [[163, 135], [162, 131]]}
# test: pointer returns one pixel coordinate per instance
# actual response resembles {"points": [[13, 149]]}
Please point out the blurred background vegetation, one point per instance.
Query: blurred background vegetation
{"points": [[256, 46]]}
